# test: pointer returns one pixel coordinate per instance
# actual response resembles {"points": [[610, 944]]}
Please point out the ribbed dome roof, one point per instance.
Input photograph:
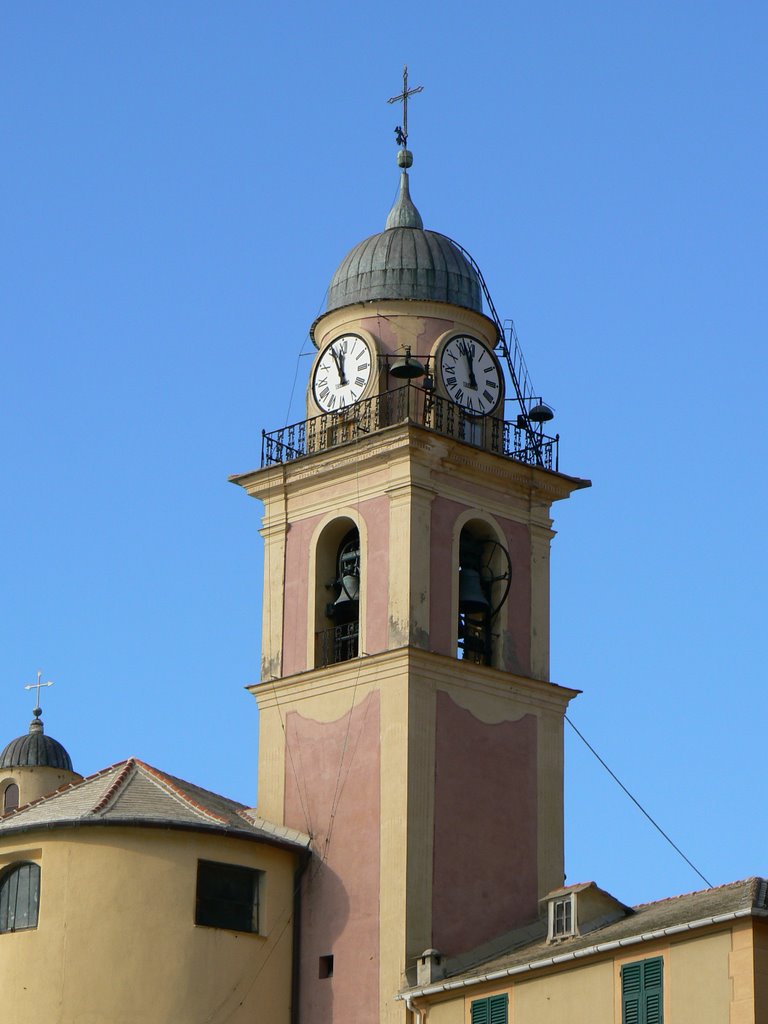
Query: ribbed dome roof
{"points": [[35, 750], [405, 262]]}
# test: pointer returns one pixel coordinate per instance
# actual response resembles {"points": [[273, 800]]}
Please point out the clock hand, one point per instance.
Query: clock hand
{"points": [[342, 375], [468, 353]]}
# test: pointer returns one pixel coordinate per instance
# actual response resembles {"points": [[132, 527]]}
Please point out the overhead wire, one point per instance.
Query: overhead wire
{"points": [[637, 803]]}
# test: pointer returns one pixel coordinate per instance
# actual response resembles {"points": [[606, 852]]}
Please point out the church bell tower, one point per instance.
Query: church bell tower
{"points": [[407, 718]]}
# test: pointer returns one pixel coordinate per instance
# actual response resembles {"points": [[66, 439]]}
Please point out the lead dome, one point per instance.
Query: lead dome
{"points": [[405, 261], [35, 750]]}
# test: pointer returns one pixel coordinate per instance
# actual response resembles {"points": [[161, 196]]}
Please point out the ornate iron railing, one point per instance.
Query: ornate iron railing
{"points": [[409, 404], [338, 643]]}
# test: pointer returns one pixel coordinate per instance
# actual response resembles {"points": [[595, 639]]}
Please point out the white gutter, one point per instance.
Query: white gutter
{"points": [[577, 954]]}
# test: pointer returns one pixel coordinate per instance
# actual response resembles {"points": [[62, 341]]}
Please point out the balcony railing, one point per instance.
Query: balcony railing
{"points": [[336, 644], [408, 404]]}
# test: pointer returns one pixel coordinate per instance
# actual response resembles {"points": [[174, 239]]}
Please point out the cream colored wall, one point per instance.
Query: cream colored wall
{"points": [[583, 995], [36, 782], [116, 939], [697, 983], [758, 933]]}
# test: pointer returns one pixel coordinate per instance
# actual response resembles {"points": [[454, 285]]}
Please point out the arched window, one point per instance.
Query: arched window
{"points": [[10, 797], [19, 897], [484, 580], [338, 567]]}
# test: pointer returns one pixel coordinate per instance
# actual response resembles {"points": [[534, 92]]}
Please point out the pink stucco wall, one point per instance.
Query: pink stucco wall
{"points": [[514, 617], [485, 840], [391, 341], [337, 800]]}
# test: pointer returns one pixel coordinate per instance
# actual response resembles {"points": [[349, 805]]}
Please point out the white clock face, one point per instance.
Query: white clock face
{"points": [[470, 375], [342, 373]]}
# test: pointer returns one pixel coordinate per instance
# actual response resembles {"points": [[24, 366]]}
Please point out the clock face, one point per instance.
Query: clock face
{"points": [[342, 373], [470, 375]]}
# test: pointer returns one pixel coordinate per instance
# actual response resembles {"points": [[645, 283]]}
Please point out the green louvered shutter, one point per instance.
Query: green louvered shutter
{"points": [[498, 1009], [481, 1012], [492, 1010], [652, 976], [642, 992]]}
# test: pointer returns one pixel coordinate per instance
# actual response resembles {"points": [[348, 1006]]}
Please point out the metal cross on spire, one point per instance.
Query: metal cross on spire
{"points": [[37, 686], [401, 132]]}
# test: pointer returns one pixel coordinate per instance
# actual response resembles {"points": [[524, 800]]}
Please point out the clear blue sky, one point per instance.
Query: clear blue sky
{"points": [[179, 182]]}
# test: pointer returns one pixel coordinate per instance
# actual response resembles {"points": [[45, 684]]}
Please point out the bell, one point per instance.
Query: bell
{"points": [[350, 590], [471, 596], [407, 368]]}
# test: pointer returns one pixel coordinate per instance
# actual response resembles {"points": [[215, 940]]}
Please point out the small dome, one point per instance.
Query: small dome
{"points": [[35, 750], [405, 262]]}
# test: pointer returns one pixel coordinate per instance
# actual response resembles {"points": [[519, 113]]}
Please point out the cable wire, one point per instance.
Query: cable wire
{"points": [[638, 804]]}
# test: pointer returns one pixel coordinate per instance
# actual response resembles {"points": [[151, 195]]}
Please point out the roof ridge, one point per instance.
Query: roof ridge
{"points": [[165, 780], [117, 784], [695, 892], [60, 789]]}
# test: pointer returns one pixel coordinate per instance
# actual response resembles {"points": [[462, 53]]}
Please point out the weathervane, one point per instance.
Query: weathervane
{"points": [[401, 132], [36, 686]]}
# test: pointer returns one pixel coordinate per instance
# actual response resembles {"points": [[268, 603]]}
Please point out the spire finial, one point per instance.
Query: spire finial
{"points": [[404, 157], [36, 725]]}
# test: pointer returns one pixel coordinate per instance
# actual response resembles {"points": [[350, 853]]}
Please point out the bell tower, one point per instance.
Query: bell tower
{"points": [[407, 718]]}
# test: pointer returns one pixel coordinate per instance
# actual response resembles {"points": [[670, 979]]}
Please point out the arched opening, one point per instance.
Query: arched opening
{"points": [[337, 593], [484, 580], [10, 797], [19, 897]]}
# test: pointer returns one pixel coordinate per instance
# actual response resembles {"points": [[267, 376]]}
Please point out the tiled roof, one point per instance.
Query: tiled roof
{"points": [[532, 950], [134, 793]]}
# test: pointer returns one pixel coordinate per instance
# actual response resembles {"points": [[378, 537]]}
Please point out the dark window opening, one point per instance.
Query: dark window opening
{"points": [[19, 897], [326, 966], [340, 641], [227, 896], [484, 580], [10, 798]]}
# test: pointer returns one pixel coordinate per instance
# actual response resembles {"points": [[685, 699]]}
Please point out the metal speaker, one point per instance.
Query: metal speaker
{"points": [[406, 367], [471, 595], [540, 413]]}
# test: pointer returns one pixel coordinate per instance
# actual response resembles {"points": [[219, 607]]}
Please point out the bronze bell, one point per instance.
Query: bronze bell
{"points": [[472, 598], [407, 368]]}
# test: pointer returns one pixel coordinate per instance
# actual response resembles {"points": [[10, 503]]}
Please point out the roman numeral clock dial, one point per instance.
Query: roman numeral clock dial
{"points": [[470, 375], [342, 373]]}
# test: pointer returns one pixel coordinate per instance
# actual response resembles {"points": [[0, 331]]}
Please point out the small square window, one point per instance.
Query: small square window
{"points": [[326, 966], [227, 896]]}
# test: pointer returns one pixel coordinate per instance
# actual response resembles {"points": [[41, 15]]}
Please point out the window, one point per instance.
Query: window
{"points": [[227, 896], [562, 916], [642, 999], [10, 797], [338, 568], [492, 1010], [19, 897]]}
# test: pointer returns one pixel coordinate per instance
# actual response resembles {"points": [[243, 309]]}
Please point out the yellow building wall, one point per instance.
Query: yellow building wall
{"points": [[582, 995], [116, 939], [697, 985], [719, 977]]}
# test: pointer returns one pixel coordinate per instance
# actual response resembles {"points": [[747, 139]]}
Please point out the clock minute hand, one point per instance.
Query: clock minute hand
{"points": [[342, 375], [467, 351]]}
